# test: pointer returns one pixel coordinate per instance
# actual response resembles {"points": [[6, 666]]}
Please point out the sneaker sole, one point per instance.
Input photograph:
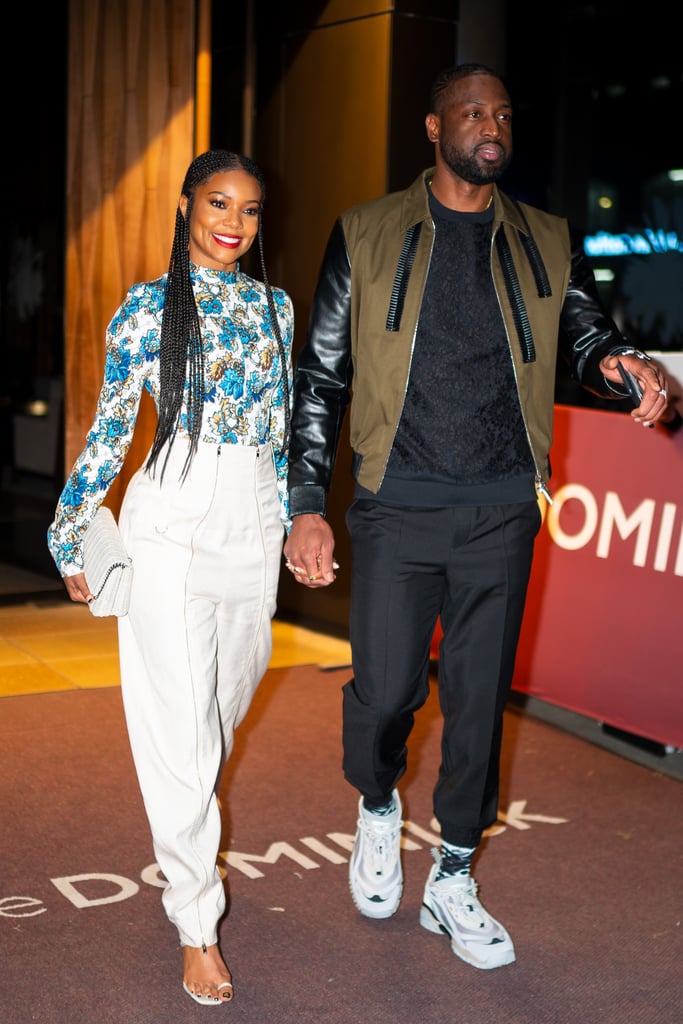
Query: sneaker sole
{"points": [[504, 955]]}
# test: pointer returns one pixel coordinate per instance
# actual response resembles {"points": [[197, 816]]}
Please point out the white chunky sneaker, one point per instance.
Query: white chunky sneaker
{"points": [[375, 874], [450, 907]]}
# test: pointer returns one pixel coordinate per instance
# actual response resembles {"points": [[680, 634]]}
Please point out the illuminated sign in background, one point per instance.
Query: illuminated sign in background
{"points": [[643, 243]]}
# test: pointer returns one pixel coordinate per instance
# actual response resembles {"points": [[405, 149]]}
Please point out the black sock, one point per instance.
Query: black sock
{"points": [[454, 860], [382, 809]]}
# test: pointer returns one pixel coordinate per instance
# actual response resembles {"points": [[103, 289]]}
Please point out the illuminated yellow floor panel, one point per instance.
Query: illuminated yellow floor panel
{"points": [[90, 673], [10, 654], [61, 646], [46, 617], [16, 680], [293, 645]]}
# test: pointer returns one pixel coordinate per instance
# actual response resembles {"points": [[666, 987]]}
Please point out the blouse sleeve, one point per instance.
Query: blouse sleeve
{"points": [[131, 341], [285, 314]]}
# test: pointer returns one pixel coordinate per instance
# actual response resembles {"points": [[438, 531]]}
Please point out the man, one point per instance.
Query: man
{"points": [[443, 306]]}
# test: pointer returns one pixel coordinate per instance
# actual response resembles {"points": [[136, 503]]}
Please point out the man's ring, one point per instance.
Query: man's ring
{"points": [[662, 392]]}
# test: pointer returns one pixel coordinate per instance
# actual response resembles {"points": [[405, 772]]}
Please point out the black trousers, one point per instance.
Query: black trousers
{"points": [[470, 566]]}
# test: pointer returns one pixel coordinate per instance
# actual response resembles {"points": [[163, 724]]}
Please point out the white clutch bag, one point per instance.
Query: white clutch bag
{"points": [[107, 566]]}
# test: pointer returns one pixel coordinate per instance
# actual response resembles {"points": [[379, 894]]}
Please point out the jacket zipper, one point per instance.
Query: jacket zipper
{"points": [[412, 343], [539, 483]]}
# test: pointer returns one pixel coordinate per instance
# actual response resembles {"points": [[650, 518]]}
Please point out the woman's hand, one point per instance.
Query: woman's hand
{"points": [[78, 589]]}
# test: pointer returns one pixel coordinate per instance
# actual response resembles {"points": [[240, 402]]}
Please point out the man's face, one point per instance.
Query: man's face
{"points": [[473, 132]]}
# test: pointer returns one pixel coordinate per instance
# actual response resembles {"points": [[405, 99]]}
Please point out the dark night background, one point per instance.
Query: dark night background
{"points": [[592, 85]]}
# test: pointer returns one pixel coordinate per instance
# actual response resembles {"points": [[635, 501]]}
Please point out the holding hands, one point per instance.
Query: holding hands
{"points": [[309, 551]]}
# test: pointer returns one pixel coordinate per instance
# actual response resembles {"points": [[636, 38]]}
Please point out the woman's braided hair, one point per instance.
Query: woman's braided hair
{"points": [[181, 356]]}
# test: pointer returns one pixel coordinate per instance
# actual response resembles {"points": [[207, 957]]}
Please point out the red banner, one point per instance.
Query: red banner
{"points": [[603, 627]]}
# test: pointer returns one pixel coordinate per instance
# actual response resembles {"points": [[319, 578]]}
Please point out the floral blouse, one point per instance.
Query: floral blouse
{"points": [[243, 380]]}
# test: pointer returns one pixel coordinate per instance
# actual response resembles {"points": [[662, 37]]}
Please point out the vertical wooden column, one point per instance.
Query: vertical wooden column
{"points": [[202, 126], [130, 138], [344, 122]]}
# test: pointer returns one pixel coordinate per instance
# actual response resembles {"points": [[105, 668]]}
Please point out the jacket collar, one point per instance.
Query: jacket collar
{"points": [[415, 206]]}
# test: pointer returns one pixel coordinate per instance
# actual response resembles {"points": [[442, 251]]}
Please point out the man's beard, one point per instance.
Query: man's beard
{"points": [[469, 168]]}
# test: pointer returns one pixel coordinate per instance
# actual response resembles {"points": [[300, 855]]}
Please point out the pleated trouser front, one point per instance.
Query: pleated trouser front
{"points": [[193, 648]]}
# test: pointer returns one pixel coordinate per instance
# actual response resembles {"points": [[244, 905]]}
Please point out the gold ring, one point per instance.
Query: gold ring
{"points": [[311, 579]]}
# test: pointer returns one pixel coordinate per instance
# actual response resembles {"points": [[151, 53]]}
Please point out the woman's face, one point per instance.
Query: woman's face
{"points": [[224, 219]]}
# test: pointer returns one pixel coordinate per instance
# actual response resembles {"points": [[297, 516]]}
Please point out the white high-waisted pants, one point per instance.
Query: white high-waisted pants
{"points": [[193, 648]]}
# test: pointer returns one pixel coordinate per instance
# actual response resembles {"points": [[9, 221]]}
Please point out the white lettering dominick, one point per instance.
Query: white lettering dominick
{"points": [[97, 889], [644, 521]]}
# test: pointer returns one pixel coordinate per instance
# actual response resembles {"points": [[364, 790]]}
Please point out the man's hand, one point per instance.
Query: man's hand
{"points": [[651, 377], [309, 551]]}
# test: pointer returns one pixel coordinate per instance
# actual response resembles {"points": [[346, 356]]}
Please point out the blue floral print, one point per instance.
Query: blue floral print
{"points": [[243, 397]]}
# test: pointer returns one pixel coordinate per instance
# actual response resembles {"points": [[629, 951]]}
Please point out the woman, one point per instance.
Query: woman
{"points": [[203, 521]]}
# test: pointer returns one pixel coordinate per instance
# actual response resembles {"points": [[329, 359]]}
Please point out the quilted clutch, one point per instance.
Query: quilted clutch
{"points": [[107, 566]]}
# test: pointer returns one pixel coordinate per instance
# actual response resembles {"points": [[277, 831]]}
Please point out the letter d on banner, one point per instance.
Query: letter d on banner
{"points": [[126, 889]]}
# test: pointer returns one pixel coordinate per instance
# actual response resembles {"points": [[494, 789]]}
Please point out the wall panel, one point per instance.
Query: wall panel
{"points": [[344, 123], [130, 139]]}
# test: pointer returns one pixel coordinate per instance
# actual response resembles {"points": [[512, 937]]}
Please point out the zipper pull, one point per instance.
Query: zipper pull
{"points": [[542, 489]]}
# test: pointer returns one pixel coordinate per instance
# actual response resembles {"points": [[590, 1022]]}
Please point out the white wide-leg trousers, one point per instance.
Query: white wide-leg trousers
{"points": [[193, 648]]}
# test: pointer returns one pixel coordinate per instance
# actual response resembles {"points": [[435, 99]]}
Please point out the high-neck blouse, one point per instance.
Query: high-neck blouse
{"points": [[243, 389]]}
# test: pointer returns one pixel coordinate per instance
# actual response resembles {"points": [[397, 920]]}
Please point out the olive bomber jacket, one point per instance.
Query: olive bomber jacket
{"points": [[364, 317]]}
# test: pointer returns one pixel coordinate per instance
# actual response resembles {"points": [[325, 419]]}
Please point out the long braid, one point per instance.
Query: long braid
{"points": [[181, 357], [181, 345], [278, 337]]}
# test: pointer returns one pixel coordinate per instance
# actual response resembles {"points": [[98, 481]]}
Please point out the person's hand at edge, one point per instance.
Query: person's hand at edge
{"points": [[652, 379]]}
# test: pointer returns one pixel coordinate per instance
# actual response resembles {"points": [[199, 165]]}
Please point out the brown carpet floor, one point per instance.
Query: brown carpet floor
{"points": [[586, 871]]}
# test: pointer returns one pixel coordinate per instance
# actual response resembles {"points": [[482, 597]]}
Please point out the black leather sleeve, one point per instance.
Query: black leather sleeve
{"points": [[587, 332], [322, 382]]}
